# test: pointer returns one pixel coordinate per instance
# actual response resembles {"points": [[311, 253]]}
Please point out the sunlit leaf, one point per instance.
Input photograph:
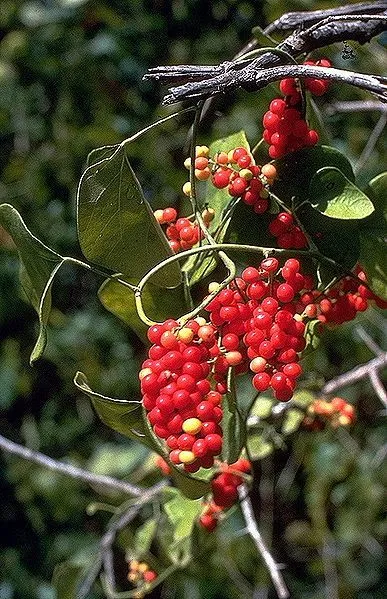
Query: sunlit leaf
{"points": [[258, 447], [182, 514], [336, 196], [292, 421], [116, 225], [377, 192], [143, 537]]}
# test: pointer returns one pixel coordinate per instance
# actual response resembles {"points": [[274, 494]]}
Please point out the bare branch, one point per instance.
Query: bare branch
{"points": [[359, 372], [252, 527], [199, 82], [79, 473], [292, 20], [356, 106]]}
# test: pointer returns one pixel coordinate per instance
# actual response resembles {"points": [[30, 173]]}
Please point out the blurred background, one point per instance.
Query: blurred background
{"points": [[70, 81]]}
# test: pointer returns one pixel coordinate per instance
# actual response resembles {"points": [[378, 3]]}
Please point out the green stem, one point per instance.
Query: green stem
{"points": [[156, 124]]}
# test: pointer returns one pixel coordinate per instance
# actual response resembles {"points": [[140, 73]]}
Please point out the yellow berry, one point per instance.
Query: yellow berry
{"points": [[187, 163], [230, 156], [134, 565], [344, 420], [185, 335], [245, 173], [187, 457], [202, 151], [201, 321], [159, 216], [144, 372], [208, 215], [191, 426], [213, 286], [187, 188], [143, 567]]}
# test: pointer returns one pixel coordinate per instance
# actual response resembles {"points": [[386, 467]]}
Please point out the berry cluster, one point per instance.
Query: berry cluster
{"points": [[342, 302], [285, 129], [182, 233], [140, 573], [287, 233], [182, 386], [260, 324], [336, 412], [236, 170], [224, 487]]}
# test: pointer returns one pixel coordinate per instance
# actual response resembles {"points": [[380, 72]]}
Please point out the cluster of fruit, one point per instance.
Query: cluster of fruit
{"points": [[260, 324], [140, 573], [336, 412], [236, 170], [182, 233], [341, 302], [224, 487], [182, 388], [288, 235], [285, 128]]}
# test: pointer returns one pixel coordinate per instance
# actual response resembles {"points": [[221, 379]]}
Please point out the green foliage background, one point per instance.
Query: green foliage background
{"points": [[71, 80]]}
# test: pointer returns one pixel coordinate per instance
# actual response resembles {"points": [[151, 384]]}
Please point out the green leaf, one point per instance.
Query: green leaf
{"points": [[262, 407], [66, 579], [262, 38], [159, 304], [303, 398], [116, 225], [377, 192], [127, 417], [233, 426], [100, 154], [182, 514], [39, 264], [373, 259], [257, 447], [296, 170], [335, 238], [122, 415], [312, 334], [292, 421], [337, 197], [143, 538]]}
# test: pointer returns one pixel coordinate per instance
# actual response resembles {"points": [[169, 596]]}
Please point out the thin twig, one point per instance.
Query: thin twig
{"points": [[367, 339], [252, 527], [378, 387], [74, 471], [371, 143], [330, 572]]}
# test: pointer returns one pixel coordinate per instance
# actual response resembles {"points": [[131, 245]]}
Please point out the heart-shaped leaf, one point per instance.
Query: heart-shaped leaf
{"points": [[116, 225], [39, 264], [337, 197], [182, 514]]}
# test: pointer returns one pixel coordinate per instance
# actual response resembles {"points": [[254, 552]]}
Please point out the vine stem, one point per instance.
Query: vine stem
{"points": [[253, 530], [220, 247]]}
